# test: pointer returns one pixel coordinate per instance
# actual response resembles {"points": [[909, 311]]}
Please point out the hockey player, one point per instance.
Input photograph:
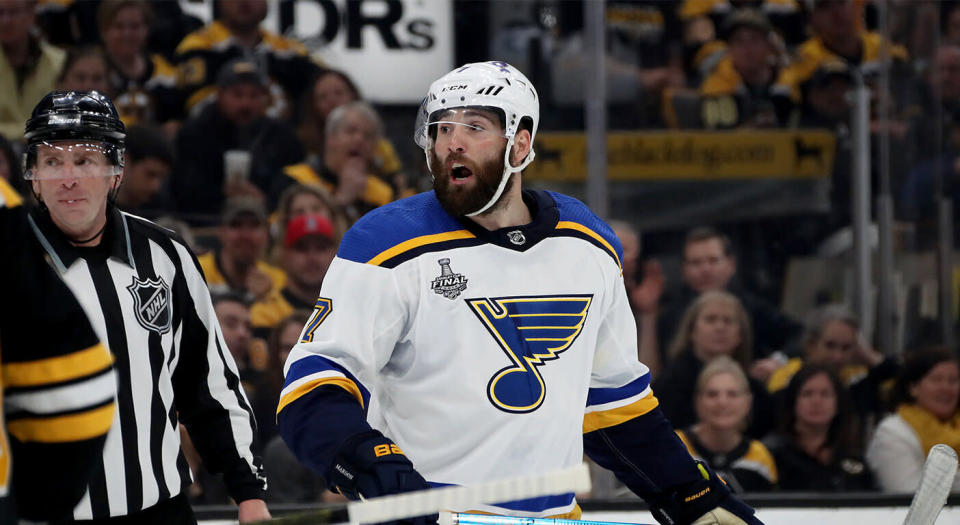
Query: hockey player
{"points": [[482, 331], [57, 384]]}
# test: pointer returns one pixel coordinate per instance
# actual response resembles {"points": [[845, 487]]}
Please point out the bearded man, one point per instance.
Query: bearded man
{"points": [[495, 312]]}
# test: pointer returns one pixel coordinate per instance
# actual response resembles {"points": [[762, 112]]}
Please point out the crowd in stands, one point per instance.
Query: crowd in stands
{"points": [[261, 156]]}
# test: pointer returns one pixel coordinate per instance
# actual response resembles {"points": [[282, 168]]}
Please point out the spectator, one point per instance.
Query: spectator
{"points": [[237, 34], [280, 340], [238, 264], [709, 264], [299, 199], [331, 89], [237, 122], [345, 171], [817, 448], [832, 339], [838, 34], [925, 396], [144, 84], [714, 325], [936, 135], [28, 65], [10, 166], [308, 249], [738, 92], [787, 16], [233, 313], [85, 69], [722, 401], [643, 295], [149, 159]]}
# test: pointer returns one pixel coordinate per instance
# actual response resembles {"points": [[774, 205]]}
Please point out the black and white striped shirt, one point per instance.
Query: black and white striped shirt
{"points": [[147, 300]]}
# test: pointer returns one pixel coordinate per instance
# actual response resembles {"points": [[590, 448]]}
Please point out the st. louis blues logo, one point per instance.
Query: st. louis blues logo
{"points": [[448, 284], [531, 331], [151, 304]]}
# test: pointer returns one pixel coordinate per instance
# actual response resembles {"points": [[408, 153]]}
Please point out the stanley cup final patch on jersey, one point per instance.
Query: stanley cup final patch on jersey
{"points": [[152, 304], [448, 284]]}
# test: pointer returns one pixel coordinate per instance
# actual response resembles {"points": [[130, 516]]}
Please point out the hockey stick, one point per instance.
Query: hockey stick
{"points": [[935, 482], [425, 502], [388, 508], [459, 518]]}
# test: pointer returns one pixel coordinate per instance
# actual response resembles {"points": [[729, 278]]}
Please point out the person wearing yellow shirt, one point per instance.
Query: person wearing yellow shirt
{"points": [[236, 33], [309, 245], [345, 171], [832, 338], [837, 35], [238, 264], [738, 91]]}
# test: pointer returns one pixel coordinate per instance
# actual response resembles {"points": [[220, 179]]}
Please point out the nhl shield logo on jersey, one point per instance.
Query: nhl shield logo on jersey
{"points": [[517, 237], [448, 284], [151, 303]]}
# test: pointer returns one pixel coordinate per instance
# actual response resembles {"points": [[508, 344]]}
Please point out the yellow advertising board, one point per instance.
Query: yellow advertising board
{"points": [[681, 155]]}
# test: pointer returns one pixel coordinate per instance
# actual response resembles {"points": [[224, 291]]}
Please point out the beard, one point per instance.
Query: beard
{"points": [[461, 200]]}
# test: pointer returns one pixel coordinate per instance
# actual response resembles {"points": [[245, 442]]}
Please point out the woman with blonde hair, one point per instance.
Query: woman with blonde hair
{"points": [[714, 325], [722, 403]]}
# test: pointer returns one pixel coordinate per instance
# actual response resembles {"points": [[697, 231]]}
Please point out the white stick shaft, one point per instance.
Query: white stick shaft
{"points": [[459, 518], [937, 478], [424, 502]]}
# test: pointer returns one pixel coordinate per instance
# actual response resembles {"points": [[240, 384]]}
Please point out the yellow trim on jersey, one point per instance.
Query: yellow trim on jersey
{"points": [[61, 429], [375, 192], [204, 38], [10, 197], [57, 369], [569, 225], [308, 387], [199, 96], [609, 418], [417, 242]]}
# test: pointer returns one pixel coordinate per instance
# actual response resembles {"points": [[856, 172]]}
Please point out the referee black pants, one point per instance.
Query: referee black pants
{"points": [[174, 511]]}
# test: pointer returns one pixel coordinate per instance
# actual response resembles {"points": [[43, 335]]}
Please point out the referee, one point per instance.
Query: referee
{"points": [[145, 295]]}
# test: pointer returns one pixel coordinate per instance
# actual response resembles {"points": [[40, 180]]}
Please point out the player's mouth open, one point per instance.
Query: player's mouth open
{"points": [[459, 172]]}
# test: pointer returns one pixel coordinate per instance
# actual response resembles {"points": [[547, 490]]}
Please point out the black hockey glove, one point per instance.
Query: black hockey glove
{"points": [[705, 502], [369, 465]]}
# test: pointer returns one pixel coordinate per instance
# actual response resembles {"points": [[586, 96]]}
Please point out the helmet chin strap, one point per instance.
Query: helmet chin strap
{"points": [[507, 171]]}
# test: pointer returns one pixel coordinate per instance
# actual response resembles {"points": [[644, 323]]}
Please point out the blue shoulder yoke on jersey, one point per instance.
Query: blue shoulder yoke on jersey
{"points": [[577, 220], [405, 229], [401, 230]]}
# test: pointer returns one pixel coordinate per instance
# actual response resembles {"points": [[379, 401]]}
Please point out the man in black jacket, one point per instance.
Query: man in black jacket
{"points": [[709, 264], [237, 122]]}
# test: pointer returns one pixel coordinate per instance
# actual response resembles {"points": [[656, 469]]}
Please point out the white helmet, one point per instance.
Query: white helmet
{"points": [[492, 85]]}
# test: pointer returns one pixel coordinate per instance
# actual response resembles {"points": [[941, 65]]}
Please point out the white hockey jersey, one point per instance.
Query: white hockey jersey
{"points": [[483, 355]]}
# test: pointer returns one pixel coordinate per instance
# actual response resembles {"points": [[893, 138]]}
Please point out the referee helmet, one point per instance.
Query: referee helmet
{"points": [[87, 118]]}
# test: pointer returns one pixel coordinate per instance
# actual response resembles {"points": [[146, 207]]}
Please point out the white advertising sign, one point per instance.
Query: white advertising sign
{"points": [[392, 49]]}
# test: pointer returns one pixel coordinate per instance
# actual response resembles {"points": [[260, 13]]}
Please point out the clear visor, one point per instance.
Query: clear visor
{"points": [[69, 160], [443, 124]]}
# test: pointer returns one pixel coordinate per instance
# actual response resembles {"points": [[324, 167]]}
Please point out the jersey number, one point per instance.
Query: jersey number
{"points": [[320, 312], [530, 331]]}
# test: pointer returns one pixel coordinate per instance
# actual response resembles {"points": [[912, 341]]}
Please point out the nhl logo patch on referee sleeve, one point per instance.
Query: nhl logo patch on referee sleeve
{"points": [[152, 304], [448, 284]]}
